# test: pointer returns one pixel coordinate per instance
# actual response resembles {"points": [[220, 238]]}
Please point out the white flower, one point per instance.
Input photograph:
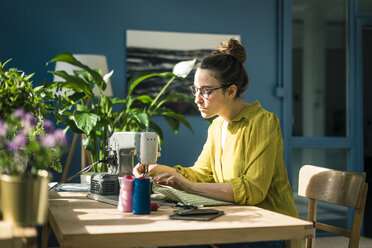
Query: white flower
{"points": [[183, 68], [106, 77]]}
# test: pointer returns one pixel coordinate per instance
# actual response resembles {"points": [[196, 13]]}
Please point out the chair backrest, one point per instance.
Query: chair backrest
{"points": [[342, 188]]}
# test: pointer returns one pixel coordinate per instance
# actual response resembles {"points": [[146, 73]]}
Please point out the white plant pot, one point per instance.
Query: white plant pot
{"points": [[85, 178]]}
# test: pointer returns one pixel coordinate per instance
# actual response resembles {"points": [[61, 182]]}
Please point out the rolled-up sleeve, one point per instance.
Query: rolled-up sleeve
{"points": [[262, 141], [202, 169]]}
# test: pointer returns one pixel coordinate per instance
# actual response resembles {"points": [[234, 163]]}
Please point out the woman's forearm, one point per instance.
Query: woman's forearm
{"points": [[157, 169], [219, 191]]}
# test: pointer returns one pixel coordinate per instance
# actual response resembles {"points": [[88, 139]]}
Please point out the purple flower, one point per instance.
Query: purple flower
{"points": [[29, 120], [21, 140], [12, 146], [48, 140], [18, 141], [60, 137], [19, 113], [48, 126], [3, 128]]}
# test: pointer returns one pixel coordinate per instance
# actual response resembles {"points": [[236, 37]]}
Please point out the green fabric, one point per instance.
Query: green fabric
{"points": [[252, 161], [174, 195]]}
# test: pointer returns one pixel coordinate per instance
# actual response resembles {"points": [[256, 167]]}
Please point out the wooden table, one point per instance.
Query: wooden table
{"points": [[12, 236], [81, 222]]}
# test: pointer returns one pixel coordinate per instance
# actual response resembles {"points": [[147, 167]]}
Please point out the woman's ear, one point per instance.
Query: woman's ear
{"points": [[232, 90]]}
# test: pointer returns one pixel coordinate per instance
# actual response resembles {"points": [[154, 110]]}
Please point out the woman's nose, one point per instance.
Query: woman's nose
{"points": [[198, 97]]}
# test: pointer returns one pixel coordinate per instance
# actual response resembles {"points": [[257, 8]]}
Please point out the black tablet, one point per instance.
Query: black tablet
{"points": [[196, 214]]}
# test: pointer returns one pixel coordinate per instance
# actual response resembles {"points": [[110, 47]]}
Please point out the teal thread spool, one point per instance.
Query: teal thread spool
{"points": [[141, 196]]}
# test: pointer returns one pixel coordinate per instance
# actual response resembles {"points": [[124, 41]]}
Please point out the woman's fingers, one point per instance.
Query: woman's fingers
{"points": [[172, 179], [162, 177], [137, 171]]}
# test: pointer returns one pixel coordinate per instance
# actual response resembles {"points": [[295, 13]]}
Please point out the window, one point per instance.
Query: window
{"points": [[319, 68], [365, 6]]}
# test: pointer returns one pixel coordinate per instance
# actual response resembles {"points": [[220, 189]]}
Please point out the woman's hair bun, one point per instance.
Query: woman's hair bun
{"points": [[233, 48], [226, 63]]}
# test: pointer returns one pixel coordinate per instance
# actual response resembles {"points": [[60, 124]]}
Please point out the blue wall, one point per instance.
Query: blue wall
{"points": [[33, 32]]}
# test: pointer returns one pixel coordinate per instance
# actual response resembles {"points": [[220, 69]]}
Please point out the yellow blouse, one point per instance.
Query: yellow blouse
{"points": [[252, 161]]}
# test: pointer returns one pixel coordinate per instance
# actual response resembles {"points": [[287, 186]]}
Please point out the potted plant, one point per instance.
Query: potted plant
{"points": [[29, 147], [27, 150], [98, 117]]}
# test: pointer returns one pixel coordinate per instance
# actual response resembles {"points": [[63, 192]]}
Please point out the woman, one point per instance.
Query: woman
{"points": [[242, 159]]}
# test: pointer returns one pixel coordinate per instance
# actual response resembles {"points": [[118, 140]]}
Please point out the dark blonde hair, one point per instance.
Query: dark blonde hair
{"points": [[226, 65]]}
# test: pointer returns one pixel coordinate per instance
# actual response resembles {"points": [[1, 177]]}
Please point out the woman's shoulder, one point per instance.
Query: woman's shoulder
{"points": [[255, 112], [216, 122]]}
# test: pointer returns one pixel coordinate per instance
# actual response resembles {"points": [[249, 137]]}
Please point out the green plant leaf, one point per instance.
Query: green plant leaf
{"points": [[178, 117], [81, 108], [140, 77], [28, 77], [105, 105], [121, 118], [117, 100], [87, 142], [162, 91], [172, 96], [65, 57], [86, 121], [129, 101], [144, 99], [173, 123], [75, 83], [142, 119], [77, 96], [69, 123], [69, 58]]}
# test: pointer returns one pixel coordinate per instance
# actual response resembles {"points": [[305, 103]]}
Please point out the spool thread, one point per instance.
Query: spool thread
{"points": [[141, 196], [125, 203]]}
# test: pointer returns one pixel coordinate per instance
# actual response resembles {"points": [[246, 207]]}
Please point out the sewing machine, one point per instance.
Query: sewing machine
{"points": [[123, 145]]}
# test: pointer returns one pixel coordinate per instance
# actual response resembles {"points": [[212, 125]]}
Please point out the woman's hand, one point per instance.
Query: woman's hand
{"points": [[152, 169], [139, 169], [174, 180], [219, 191]]}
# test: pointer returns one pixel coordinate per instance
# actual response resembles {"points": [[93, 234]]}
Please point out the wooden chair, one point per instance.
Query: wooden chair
{"points": [[342, 188]]}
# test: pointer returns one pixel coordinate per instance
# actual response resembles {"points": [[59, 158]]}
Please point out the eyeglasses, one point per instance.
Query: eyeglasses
{"points": [[204, 91]]}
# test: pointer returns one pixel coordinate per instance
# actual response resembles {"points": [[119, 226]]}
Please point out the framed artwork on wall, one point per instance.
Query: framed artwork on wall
{"points": [[157, 52]]}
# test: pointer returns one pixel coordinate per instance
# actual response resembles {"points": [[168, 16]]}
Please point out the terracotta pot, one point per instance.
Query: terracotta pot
{"points": [[25, 199]]}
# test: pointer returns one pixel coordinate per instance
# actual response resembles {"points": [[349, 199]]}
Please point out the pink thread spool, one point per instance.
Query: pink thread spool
{"points": [[125, 203]]}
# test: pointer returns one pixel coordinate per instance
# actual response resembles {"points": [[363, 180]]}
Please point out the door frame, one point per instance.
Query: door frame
{"points": [[360, 21]]}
